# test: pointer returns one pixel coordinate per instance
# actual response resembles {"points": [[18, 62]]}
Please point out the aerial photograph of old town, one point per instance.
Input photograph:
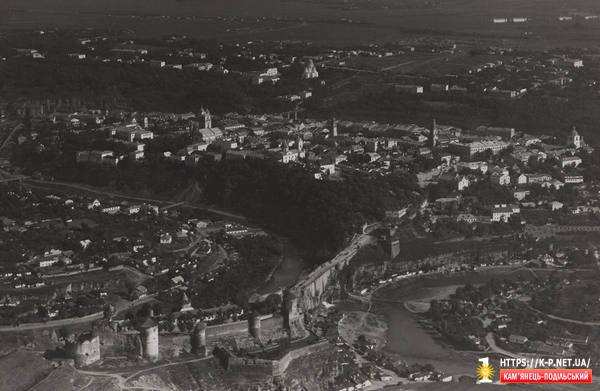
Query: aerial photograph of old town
{"points": [[299, 195]]}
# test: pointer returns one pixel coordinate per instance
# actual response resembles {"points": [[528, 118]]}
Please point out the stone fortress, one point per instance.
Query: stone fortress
{"points": [[280, 336], [268, 342]]}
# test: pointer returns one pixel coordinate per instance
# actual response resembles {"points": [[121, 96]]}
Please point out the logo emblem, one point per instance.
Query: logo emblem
{"points": [[485, 372]]}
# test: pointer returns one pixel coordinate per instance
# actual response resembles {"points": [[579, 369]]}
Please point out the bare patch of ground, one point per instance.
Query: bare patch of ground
{"points": [[373, 327]]}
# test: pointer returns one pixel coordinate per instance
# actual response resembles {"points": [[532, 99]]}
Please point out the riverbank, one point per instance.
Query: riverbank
{"points": [[412, 341]]}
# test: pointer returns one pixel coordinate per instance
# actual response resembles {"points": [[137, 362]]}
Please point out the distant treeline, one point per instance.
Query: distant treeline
{"points": [[535, 113], [137, 87]]}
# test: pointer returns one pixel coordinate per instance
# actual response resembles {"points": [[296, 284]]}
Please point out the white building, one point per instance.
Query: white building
{"points": [[501, 178], [310, 71], [132, 132], [268, 75], [475, 166], [210, 135], [503, 212], [470, 149], [409, 88], [533, 179], [575, 139], [463, 183], [570, 161]]}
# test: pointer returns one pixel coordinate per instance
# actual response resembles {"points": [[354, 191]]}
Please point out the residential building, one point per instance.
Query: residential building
{"points": [[209, 135], [463, 183], [469, 149], [98, 157], [132, 132], [409, 88], [475, 166], [503, 212], [521, 194], [573, 179], [533, 179], [501, 178], [570, 161], [268, 75]]}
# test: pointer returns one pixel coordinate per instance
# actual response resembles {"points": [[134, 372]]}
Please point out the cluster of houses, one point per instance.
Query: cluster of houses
{"points": [[335, 149], [169, 249]]}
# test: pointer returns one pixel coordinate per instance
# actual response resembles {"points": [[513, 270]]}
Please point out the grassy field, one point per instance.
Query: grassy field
{"points": [[30, 367], [327, 21]]}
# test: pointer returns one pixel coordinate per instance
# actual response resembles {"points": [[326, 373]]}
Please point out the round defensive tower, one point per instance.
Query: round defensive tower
{"points": [[83, 349], [199, 339], [149, 331], [291, 309], [254, 324]]}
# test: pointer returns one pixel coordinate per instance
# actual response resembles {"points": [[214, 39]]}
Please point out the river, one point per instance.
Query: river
{"points": [[411, 342]]}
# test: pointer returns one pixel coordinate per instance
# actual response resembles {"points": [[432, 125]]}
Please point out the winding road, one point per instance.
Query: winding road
{"points": [[566, 320], [10, 135], [122, 379], [491, 341], [73, 321]]}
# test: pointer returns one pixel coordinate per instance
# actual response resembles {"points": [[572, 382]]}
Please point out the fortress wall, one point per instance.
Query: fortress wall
{"points": [[121, 344], [274, 367], [285, 361], [240, 363], [549, 230], [451, 258], [224, 329], [313, 285]]}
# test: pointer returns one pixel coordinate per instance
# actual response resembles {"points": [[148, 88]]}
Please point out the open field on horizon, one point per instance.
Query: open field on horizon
{"points": [[330, 21]]}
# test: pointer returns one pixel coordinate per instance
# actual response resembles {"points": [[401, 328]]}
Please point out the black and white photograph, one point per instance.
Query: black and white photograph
{"points": [[299, 195]]}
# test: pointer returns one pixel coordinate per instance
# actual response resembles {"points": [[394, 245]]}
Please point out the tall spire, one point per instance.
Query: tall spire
{"points": [[207, 119], [433, 138]]}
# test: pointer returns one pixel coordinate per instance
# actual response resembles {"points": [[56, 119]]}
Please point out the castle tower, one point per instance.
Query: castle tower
{"points": [[300, 143], [254, 325], [84, 349], [146, 122], [199, 339], [291, 309], [149, 331]]}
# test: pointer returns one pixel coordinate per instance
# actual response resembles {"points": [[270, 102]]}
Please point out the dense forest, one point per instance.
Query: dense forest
{"points": [[137, 87]]}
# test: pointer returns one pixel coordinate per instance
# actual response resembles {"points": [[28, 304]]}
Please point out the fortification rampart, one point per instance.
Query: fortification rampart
{"points": [[450, 258], [314, 284], [273, 367]]}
